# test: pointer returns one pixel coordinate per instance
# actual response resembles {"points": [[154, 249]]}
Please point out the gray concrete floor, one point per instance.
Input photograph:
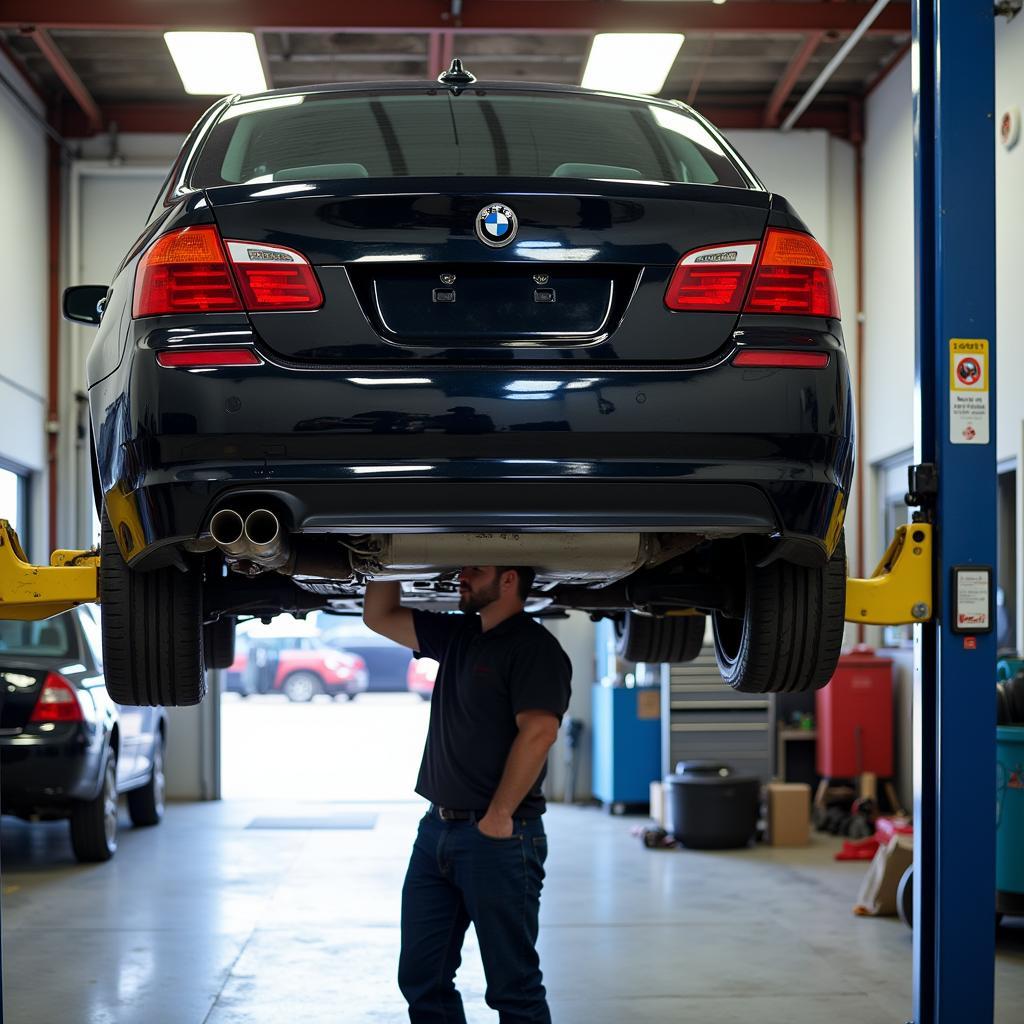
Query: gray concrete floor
{"points": [[201, 920]]}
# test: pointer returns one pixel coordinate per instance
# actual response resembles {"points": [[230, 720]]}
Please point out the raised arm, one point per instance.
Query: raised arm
{"points": [[384, 614]]}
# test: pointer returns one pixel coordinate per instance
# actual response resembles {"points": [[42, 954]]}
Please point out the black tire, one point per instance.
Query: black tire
{"points": [[219, 642], [152, 631], [659, 639], [146, 804], [302, 687], [94, 822], [789, 638]]}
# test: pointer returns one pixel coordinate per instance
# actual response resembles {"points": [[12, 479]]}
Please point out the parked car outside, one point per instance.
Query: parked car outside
{"points": [[66, 749], [422, 674], [385, 660], [462, 322], [289, 657]]}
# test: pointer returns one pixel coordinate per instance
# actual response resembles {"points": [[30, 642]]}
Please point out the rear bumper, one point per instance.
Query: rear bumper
{"points": [[716, 450], [47, 773]]}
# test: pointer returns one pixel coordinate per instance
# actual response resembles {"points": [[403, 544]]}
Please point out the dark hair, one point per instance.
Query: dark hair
{"points": [[526, 575]]}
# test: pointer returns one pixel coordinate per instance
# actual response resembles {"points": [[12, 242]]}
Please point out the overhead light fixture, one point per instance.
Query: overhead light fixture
{"points": [[217, 63], [635, 62]]}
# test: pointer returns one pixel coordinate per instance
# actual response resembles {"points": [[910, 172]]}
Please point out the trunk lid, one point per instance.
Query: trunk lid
{"points": [[406, 276], [22, 680]]}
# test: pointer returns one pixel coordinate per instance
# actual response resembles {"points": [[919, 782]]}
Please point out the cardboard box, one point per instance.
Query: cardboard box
{"points": [[789, 813], [658, 803]]}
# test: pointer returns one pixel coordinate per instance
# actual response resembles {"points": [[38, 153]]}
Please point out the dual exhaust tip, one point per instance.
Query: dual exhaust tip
{"points": [[256, 538]]}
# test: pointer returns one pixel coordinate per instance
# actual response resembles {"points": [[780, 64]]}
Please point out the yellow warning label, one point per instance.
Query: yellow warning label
{"points": [[968, 391]]}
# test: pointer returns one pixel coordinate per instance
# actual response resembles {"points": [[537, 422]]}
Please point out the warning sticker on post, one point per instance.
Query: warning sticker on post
{"points": [[969, 403]]}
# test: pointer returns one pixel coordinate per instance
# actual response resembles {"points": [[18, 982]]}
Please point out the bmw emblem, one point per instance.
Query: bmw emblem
{"points": [[496, 225]]}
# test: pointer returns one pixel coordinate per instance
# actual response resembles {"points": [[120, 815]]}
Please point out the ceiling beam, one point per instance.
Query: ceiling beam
{"points": [[476, 15], [785, 85], [68, 77]]}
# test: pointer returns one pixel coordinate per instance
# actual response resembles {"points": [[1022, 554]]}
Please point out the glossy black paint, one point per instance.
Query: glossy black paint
{"points": [[368, 415], [45, 768]]}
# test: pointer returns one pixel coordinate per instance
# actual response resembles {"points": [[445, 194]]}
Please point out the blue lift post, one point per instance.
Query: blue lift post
{"points": [[954, 800]]}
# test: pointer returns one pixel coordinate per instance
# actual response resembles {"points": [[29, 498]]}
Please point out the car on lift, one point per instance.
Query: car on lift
{"points": [[378, 331], [66, 749]]}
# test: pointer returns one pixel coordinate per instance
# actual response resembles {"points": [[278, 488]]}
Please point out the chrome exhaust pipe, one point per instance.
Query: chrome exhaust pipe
{"points": [[227, 528], [266, 545]]}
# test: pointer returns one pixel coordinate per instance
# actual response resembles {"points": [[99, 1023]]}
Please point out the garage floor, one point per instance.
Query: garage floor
{"points": [[262, 927]]}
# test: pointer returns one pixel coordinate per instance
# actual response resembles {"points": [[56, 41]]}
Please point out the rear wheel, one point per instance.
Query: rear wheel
{"points": [[146, 804], [219, 642], [789, 638], [654, 640], [302, 687], [152, 631], [94, 822]]}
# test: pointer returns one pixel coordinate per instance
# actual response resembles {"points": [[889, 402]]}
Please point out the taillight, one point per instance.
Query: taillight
{"points": [[272, 277], [794, 275], [190, 271], [185, 271], [791, 274], [57, 702], [713, 279]]}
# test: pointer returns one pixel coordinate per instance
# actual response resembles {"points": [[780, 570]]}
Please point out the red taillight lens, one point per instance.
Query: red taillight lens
{"points": [[57, 702], [762, 357], [185, 271], [713, 279], [274, 278], [794, 275], [189, 271]]}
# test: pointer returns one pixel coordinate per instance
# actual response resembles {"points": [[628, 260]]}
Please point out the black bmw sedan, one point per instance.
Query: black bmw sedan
{"points": [[381, 331], [66, 749]]}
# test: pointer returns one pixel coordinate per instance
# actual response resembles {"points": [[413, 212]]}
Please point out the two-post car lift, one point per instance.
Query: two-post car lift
{"points": [[944, 582]]}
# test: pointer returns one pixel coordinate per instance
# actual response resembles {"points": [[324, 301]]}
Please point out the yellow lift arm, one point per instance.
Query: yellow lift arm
{"points": [[898, 592]]}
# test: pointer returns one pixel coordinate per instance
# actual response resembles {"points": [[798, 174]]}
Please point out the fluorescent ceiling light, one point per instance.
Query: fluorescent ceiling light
{"points": [[637, 62], [216, 63]]}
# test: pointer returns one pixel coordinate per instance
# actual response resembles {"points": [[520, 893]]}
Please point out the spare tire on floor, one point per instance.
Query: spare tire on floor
{"points": [[668, 639]]}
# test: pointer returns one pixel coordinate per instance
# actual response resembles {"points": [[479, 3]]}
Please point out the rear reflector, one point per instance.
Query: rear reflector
{"points": [[273, 277], [185, 271], [761, 357], [713, 279], [794, 275], [57, 702], [209, 357]]}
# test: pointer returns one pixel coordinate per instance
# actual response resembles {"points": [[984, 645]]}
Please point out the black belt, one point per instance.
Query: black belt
{"points": [[451, 814]]}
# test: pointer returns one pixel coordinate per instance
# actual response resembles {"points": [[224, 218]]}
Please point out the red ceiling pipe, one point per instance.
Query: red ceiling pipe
{"points": [[785, 85], [53, 199]]}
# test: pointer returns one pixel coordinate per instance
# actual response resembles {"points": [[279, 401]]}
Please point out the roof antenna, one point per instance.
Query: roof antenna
{"points": [[456, 77]]}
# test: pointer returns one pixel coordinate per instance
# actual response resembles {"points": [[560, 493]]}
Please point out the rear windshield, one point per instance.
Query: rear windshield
{"points": [[51, 638], [480, 133]]}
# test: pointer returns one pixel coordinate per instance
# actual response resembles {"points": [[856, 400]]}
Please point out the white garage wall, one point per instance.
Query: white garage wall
{"points": [[23, 296]]}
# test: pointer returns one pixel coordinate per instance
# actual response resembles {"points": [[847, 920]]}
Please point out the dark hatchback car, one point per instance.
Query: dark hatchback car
{"points": [[66, 749], [381, 331]]}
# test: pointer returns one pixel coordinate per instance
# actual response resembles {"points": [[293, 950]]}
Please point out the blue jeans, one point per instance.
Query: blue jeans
{"points": [[457, 875]]}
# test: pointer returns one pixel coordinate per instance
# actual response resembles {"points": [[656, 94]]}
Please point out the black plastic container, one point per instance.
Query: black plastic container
{"points": [[707, 807]]}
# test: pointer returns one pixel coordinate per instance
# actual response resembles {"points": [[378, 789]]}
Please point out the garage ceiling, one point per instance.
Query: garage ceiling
{"points": [[744, 63]]}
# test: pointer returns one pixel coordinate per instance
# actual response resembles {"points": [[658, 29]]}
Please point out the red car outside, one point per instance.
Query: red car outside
{"points": [[421, 676], [298, 667]]}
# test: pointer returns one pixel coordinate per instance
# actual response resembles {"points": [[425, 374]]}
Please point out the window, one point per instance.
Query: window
{"points": [[51, 638], [14, 501], [482, 132], [89, 619]]}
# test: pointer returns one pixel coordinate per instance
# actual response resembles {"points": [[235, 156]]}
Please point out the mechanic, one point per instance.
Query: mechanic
{"points": [[502, 688]]}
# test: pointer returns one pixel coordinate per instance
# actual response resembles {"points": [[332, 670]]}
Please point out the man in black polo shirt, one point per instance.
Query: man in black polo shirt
{"points": [[501, 690]]}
